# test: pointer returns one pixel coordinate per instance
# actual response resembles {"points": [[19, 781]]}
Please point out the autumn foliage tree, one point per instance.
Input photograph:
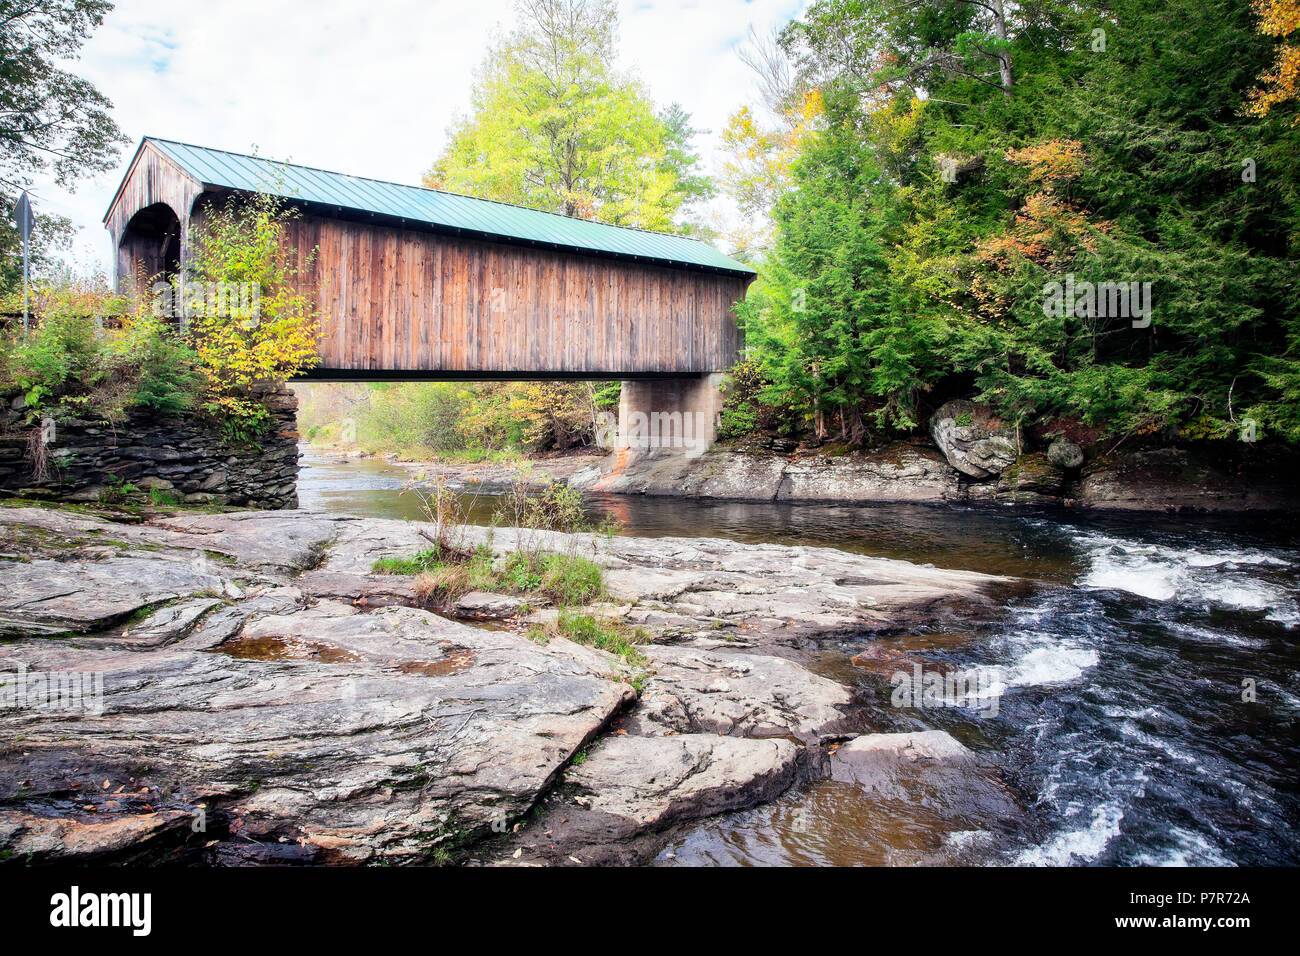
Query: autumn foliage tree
{"points": [[243, 244], [1281, 84]]}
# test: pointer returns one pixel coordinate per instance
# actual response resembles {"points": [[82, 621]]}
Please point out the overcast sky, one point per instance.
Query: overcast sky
{"points": [[366, 87]]}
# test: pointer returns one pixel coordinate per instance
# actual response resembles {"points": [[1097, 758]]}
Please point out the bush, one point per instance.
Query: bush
{"points": [[243, 241], [743, 411], [71, 365], [569, 580]]}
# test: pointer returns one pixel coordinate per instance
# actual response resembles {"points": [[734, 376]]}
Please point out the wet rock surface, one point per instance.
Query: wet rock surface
{"points": [[256, 694], [1235, 478], [930, 776], [715, 692]]}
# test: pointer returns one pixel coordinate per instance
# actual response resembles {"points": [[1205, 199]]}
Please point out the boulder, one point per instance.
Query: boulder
{"points": [[629, 789], [972, 439], [928, 769], [662, 780], [1065, 453]]}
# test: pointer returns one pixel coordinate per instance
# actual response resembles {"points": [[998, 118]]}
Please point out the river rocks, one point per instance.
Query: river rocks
{"points": [[928, 766], [972, 439], [1065, 454], [256, 677], [1033, 479], [664, 780], [877, 761], [692, 690], [631, 787], [929, 799], [487, 607], [929, 769]]}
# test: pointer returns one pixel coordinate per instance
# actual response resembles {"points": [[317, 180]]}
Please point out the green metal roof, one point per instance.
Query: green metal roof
{"points": [[215, 167]]}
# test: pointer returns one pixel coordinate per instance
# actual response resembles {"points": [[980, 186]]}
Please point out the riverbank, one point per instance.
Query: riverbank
{"points": [[489, 476], [1167, 480], [260, 695], [1154, 479]]}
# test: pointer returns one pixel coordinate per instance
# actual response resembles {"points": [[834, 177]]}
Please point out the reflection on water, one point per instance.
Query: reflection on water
{"points": [[1122, 731]]}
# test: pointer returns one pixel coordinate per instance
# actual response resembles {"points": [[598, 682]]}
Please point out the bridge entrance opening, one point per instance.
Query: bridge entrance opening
{"points": [[150, 246]]}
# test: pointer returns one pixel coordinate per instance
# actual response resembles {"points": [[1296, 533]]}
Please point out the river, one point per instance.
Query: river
{"points": [[1125, 724]]}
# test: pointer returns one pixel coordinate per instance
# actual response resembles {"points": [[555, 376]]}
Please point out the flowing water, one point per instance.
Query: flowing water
{"points": [[1123, 725]]}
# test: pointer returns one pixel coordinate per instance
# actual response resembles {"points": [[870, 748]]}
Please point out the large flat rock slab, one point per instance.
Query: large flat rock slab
{"points": [[805, 590], [351, 736], [664, 780], [53, 597], [293, 540]]}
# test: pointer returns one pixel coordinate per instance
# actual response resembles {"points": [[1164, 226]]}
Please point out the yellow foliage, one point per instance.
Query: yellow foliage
{"points": [[238, 353], [762, 157], [1281, 19], [1051, 162]]}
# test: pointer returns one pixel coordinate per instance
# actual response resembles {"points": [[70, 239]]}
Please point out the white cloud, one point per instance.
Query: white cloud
{"points": [[362, 86]]}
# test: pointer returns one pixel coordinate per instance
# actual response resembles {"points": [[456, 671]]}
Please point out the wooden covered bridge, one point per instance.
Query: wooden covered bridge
{"points": [[417, 284]]}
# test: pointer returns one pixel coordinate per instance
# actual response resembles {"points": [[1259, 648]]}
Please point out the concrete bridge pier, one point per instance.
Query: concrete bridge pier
{"points": [[677, 414]]}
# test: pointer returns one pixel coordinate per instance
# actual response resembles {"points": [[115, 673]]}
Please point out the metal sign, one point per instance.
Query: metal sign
{"points": [[26, 219]]}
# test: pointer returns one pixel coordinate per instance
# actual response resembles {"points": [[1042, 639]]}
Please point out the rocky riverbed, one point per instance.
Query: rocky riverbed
{"points": [[250, 692]]}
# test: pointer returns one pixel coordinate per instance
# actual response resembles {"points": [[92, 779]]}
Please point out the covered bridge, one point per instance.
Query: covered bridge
{"points": [[419, 284]]}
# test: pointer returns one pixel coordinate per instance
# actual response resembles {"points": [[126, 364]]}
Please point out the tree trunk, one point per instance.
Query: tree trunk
{"points": [[1000, 30]]}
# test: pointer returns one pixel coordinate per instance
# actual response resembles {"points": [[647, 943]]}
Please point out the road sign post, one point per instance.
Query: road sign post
{"points": [[25, 219]]}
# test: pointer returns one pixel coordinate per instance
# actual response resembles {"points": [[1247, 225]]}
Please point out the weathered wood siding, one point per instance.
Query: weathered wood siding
{"points": [[152, 179], [396, 299], [399, 300]]}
